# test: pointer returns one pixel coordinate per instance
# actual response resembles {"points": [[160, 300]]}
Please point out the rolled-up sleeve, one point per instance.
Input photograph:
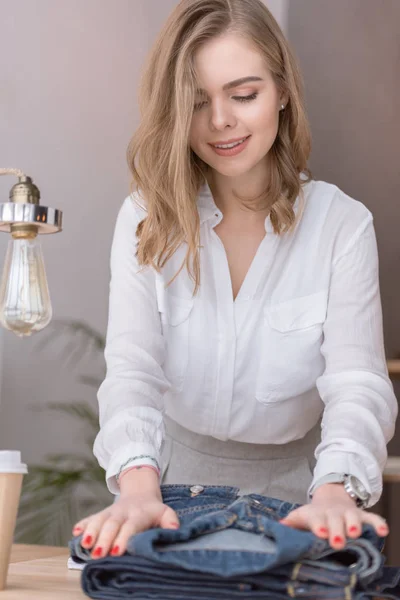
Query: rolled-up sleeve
{"points": [[131, 395], [360, 405]]}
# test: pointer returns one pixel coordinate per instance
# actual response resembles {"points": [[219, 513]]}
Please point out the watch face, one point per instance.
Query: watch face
{"points": [[359, 489]]}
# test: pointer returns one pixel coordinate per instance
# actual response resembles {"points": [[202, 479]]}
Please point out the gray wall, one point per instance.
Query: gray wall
{"points": [[349, 52], [350, 56], [68, 82], [69, 72]]}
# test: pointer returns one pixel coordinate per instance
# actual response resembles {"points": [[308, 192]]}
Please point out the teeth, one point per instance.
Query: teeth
{"points": [[232, 145]]}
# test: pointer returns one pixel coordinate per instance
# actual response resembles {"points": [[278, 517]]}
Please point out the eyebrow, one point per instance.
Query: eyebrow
{"points": [[236, 83]]}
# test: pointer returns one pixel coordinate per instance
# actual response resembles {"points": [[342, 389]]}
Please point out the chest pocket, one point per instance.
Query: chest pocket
{"points": [[175, 320], [290, 352]]}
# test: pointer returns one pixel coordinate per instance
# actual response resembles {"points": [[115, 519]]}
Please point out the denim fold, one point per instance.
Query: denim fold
{"points": [[229, 545]]}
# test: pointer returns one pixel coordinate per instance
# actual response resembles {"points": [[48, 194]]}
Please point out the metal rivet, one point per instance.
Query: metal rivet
{"points": [[256, 501], [197, 489]]}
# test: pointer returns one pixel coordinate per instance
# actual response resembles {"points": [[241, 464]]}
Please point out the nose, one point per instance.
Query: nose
{"points": [[221, 116]]}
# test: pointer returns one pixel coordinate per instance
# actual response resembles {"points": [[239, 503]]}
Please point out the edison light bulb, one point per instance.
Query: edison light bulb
{"points": [[25, 305]]}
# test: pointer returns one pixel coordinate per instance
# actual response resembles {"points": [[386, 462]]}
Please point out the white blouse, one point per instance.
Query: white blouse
{"points": [[303, 337]]}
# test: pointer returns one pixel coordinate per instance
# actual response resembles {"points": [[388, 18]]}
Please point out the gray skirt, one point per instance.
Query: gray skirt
{"points": [[282, 471]]}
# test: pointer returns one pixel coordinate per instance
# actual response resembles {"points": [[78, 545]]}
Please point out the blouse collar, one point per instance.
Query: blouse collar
{"points": [[209, 210]]}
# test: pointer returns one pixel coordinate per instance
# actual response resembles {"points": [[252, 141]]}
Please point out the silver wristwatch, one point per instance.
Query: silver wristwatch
{"points": [[352, 485]]}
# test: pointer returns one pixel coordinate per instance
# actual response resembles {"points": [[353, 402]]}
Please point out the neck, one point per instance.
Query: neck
{"points": [[229, 193]]}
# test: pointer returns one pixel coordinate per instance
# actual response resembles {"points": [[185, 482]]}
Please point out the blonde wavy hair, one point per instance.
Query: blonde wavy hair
{"points": [[167, 174]]}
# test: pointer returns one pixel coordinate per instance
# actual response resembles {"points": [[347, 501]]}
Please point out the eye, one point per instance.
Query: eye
{"points": [[200, 105], [245, 98]]}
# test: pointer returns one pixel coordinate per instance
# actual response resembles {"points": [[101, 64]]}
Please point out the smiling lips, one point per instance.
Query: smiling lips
{"points": [[229, 142], [230, 147]]}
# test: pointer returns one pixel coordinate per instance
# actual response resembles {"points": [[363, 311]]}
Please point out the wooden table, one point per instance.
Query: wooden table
{"points": [[41, 572]]}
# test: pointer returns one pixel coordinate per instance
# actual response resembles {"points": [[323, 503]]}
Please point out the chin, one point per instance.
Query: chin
{"points": [[232, 170]]}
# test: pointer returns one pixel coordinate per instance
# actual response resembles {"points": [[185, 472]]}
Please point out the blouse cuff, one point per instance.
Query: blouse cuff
{"points": [[129, 456], [135, 461], [344, 462]]}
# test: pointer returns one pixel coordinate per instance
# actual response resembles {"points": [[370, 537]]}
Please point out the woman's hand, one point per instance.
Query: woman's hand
{"points": [[333, 514], [111, 528]]}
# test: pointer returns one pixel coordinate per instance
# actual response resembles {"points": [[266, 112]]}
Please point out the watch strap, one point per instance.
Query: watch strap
{"points": [[340, 478], [329, 478]]}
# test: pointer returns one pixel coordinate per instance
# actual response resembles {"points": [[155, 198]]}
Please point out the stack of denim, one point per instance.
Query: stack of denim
{"points": [[232, 546]]}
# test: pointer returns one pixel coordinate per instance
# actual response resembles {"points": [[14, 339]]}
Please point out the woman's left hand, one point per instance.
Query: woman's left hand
{"points": [[333, 514]]}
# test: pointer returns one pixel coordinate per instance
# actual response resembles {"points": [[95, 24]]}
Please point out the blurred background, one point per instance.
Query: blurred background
{"points": [[69, 73]]}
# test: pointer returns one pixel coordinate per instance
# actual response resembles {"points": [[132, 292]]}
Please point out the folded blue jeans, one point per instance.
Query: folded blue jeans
{"points": [[119, 578], [229, 545]]}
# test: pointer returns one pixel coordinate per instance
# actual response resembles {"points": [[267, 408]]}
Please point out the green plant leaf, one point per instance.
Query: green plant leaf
{"points": [[51, 524], [91, 381], [81, 410], [85, 339], [69, 486], [49, 505], [88, 334]]}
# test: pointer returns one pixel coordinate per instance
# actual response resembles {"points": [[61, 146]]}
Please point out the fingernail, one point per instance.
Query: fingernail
{"points": [[175, 525], [338, 539], [97, 551], [353, 529], [88, 539], [115, 550], [383, 528], [323, 530], [77, 530]]}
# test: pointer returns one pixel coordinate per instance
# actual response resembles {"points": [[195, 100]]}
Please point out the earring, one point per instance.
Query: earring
{"points": [[282, 106]]}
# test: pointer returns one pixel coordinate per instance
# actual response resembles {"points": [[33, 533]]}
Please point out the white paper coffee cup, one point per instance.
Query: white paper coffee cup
{"points": [[12, 471]]}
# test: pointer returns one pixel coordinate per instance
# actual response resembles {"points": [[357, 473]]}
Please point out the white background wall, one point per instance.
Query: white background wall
{"points": [[68, 85]]}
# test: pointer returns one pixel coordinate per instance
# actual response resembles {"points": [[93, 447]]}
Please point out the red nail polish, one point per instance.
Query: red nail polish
{"points": [[115, 550], [383, 529], [323, 530], [175, 525], [98, 551], [88, 539], [77, 530], [338, 539], [353, 529]]}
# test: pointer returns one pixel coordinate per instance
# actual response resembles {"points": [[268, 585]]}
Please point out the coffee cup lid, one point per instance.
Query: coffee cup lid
{"points": [[10, 462]]}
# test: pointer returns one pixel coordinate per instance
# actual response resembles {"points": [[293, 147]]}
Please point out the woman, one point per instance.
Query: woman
{"points": [[244, 344]]}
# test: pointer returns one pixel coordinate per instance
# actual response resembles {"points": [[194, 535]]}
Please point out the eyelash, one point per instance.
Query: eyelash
{"points": [[237, 98]]}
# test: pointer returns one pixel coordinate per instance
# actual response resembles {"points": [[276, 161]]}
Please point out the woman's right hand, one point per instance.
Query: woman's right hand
{"points": [[111, 528]]}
